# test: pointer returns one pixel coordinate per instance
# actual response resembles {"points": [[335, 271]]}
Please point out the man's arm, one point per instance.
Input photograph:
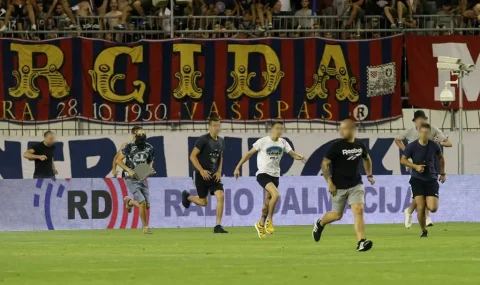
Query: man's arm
{"points": [[120, 163], [244, 159], [442, 163], [367, 164], [400, 144], [297, 156], [326, 169], [404, 160], [446, 143], [54, 168], [30, 155], [114, 163], [194, 159]]}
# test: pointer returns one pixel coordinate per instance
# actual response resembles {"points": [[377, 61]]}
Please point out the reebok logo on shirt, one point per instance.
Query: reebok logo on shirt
{"points": [[352, 153]]}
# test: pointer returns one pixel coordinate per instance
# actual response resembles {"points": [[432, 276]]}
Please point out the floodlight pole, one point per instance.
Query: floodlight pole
{"points": [[461, 169]]}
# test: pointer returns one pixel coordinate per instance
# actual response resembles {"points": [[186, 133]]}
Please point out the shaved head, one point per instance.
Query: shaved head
{"points": [[347, 129]]}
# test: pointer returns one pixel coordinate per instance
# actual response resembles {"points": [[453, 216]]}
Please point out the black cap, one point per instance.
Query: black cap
{"points": [[419, 114]]}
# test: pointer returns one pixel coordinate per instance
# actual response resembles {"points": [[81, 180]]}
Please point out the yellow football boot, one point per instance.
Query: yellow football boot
{"points": [[260, 230], [269, 228]]}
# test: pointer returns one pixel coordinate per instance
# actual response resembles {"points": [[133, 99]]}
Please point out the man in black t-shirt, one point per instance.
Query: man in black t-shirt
{"points": [[345, 183], [42, 154], [207, 158]]}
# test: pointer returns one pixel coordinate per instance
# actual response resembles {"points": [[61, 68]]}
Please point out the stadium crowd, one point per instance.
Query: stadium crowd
{"points": [[131, 20]]}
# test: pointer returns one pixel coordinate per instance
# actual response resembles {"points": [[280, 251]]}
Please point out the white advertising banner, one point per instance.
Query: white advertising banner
{"points": [[91, 156], [45, 204]]}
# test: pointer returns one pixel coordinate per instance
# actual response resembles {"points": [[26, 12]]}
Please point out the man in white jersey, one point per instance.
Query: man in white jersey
{"points": [[411, 135], [270, 151]]}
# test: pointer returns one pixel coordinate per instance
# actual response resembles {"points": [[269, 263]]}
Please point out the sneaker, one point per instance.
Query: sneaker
{"points": [[261, 29], [260, 230], [147, 231], [218, 229], [72, 26], [34, 27], [393, 26], [128, 207], [364, 245], [408, 218], [269, 228], [429, 222], [270, 26], [400, 25], [4, 28], [317, 231], [185, 201], [119, 27], [424, 234]]}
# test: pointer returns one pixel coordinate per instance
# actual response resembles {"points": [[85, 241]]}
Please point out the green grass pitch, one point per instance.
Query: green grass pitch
{"points": [[451, 255]]}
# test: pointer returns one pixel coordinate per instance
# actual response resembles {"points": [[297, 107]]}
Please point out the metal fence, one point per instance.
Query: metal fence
{"points": [[161, 27]]}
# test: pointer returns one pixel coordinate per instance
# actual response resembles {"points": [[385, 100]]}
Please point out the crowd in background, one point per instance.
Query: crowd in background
{"points": [[117, 20]]}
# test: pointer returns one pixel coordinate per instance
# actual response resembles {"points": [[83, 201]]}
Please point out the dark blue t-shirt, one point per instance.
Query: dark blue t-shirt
{"points": [[424, 155]]}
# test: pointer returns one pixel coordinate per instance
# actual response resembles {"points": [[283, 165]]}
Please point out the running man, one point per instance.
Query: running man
{"points": [[135, 153], [42, 154], [114, 163], [207, 158], [411, 135], [345, 182], [270, 151], [423, 153]]}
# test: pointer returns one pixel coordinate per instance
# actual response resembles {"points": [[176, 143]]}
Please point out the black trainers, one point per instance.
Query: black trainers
{"points": [[185, 201], [424, 234], [218, 229], [317, 231], [364, 245]]}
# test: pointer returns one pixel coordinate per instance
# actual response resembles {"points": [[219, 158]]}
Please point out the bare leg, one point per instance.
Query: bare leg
{"points": [[359, 220], [8, 14], [197, 200], [125, 14], [353, 14], [263, 218], [432, 203], [273, 191], [388, 13], [412, 206], [421, 211], [138, 6], [31, 15], [143, 214], [330, 217], [68, 11], [260, 15], [400, 11], [220, 205]]}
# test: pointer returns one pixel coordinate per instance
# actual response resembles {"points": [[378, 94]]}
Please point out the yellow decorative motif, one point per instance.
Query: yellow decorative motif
{"points": [[346, 89], [241, 76], [25, 78], [104, 78], [187, 77]]}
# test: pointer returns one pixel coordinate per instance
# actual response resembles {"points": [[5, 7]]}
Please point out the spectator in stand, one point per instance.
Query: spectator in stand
{"points": [[112, 19], [100, 5], [471, 10], [246, 9], [286, 5], [279, 23], [444, 19], [140, 6], [43, 22], [265, 7], [18, 9], [305, 23], [354, 11], [164, 23], [391, 12], [411, 8]]}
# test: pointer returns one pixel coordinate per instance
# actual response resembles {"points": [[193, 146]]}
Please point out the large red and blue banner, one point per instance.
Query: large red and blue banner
{"points": [[154, 81]]}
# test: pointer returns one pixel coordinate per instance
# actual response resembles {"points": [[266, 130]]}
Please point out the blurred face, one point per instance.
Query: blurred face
{"points": [[228, 12], [40, 7], [277, 130], [347, 131], [305, 3], [278, 6], [419, 122], [214, 127], [424, 134], [50, 139], [114, 5], [59, 10]]}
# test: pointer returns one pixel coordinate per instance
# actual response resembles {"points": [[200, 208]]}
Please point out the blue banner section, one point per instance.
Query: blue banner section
{"points": [[87, 203]]}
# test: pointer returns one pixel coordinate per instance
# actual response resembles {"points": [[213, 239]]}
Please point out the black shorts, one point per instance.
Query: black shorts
{"points": [[204, 187], [263, 179], [18, 11], [424, 187]]}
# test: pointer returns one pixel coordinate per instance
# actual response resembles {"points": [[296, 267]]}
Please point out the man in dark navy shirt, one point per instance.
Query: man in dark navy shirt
{"points": [[207, 158], [425, 173], [42, 154]]}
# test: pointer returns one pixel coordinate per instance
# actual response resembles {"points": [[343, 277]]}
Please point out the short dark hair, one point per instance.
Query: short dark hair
{"points": [[210, 120], [276, 123], [47, 133], [135, 129], [426, 126]]}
